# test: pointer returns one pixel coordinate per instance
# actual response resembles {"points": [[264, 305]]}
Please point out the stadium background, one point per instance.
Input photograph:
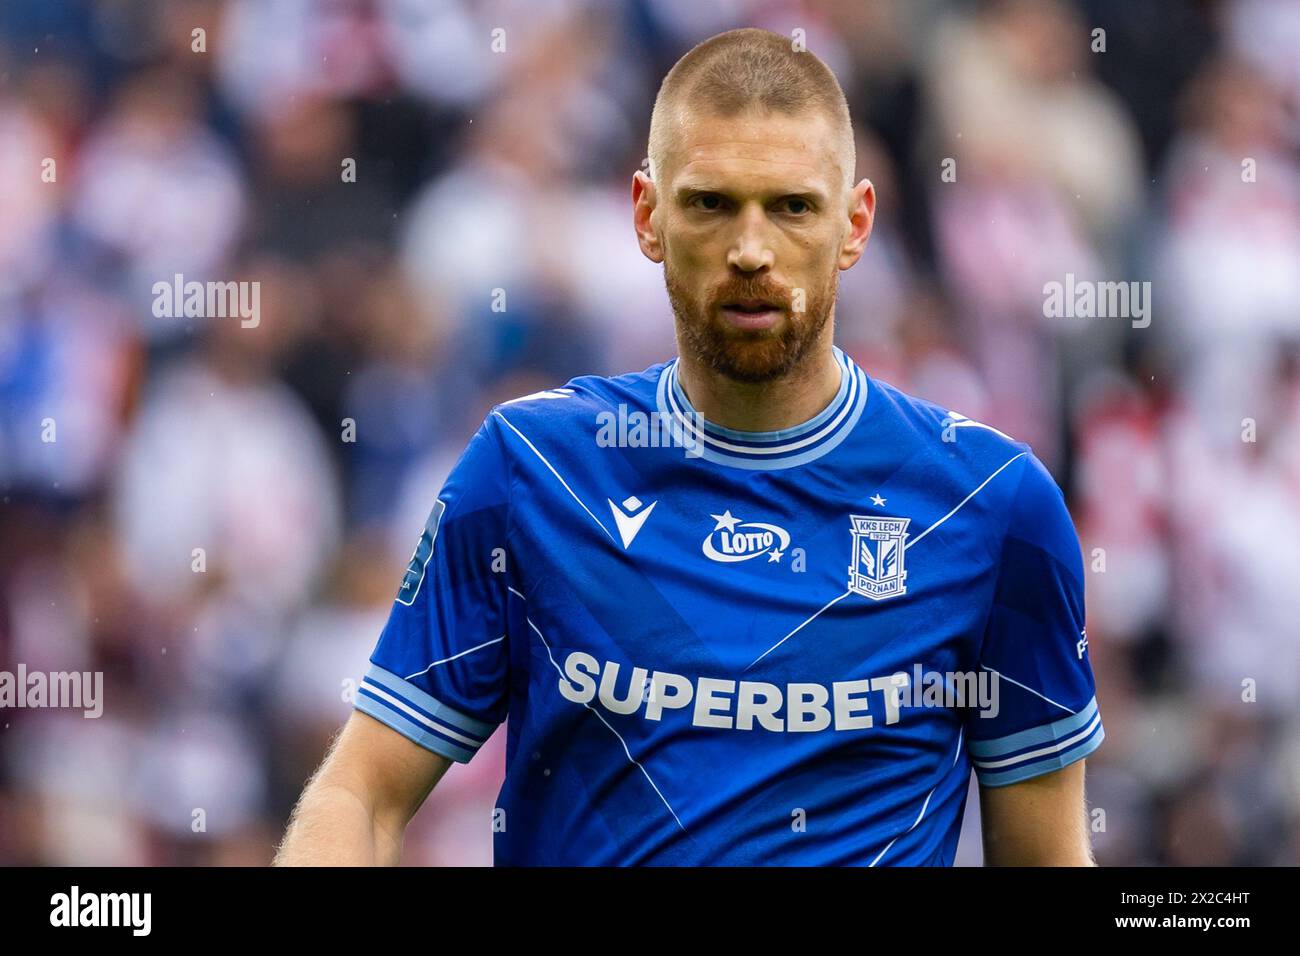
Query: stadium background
{"points": [[478, 171]]}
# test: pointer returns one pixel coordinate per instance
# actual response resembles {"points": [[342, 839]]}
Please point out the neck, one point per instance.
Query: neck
{"points": [[764, 406]]}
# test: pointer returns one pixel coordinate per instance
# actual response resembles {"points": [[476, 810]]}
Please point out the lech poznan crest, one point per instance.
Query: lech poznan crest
{"points": [[877, 570]]}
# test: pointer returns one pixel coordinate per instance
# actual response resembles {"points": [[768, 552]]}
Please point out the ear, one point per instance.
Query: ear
{"points": [[644, 199], [862, 215]]}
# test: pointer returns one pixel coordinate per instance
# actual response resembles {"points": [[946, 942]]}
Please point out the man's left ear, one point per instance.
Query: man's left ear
{"points": [[862, 215]]}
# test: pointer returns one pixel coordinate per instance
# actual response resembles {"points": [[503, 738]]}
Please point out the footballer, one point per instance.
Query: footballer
{"points": [[707, 649]]}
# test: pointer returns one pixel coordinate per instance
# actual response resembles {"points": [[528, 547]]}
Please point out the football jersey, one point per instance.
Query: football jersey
{"points": [[713, 646]]}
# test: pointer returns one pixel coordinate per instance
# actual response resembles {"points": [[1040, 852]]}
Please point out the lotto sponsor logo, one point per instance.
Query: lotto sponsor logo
{"points": [[733, 540]]}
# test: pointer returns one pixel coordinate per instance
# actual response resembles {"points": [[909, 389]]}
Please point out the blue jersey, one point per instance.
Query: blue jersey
{"points": [[721, 647]]}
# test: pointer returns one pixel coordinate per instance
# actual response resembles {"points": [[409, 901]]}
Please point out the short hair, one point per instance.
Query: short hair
{"points": [[748, 69]]}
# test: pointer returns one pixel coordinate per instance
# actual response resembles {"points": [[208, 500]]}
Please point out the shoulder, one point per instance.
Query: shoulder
{"points": [[961, 443], [577, 404], [967, 459]]}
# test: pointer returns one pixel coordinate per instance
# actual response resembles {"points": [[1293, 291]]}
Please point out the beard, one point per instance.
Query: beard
{"points": [[748, 355]]}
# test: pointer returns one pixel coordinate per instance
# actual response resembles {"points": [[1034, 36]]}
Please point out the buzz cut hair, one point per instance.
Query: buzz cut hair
{"points": [[749, 69]]}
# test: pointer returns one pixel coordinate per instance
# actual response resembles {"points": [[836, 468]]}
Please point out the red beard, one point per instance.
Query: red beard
{"points": [[749, 356]]}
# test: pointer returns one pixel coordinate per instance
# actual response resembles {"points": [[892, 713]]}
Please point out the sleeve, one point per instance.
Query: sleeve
{"points": [[1044, 714], [439, 672]]}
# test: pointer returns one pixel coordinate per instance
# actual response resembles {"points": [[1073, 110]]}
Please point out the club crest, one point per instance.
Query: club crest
{"points": [[877, 570]]}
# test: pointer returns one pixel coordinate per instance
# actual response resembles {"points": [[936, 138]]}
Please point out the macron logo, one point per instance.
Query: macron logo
{"points": [[630, 522]]}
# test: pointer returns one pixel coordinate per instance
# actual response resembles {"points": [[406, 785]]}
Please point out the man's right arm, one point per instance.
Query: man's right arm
{"points": [[355, 808], [438, 681]]}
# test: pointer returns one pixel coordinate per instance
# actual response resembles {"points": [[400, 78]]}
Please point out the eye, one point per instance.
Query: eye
{"points": [[710, 202], [796, 206]]}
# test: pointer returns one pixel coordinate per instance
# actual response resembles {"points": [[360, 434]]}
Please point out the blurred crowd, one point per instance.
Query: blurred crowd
{"points": [[492, 142]]}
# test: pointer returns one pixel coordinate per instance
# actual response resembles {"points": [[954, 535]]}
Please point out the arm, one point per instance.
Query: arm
{"points": [[1028, 749], [1042, 821], [355, 808], [438, 681]]}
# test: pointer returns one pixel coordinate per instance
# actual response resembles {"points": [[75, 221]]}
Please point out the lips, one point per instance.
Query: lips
{"points": [[751, 314], [751, 305]]}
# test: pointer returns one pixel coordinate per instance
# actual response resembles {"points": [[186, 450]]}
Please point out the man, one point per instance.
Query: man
{"points": [[749, 606]]}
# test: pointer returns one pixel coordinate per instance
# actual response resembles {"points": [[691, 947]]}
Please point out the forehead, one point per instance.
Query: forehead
{"points": [[762, 148]]}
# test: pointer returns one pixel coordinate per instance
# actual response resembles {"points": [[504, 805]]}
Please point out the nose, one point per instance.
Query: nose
{"points": [[751, 251]]}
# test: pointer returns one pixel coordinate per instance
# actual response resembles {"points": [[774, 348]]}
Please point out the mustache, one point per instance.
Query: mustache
{"points": [[748, 289]]}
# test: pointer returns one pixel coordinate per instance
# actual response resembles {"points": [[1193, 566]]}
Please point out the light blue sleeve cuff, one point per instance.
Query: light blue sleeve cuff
{"points": [[420, 717], [1038, 750]]}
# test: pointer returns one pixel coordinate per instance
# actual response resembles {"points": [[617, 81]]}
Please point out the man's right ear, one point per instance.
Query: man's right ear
{"points": [[644, 199]]}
